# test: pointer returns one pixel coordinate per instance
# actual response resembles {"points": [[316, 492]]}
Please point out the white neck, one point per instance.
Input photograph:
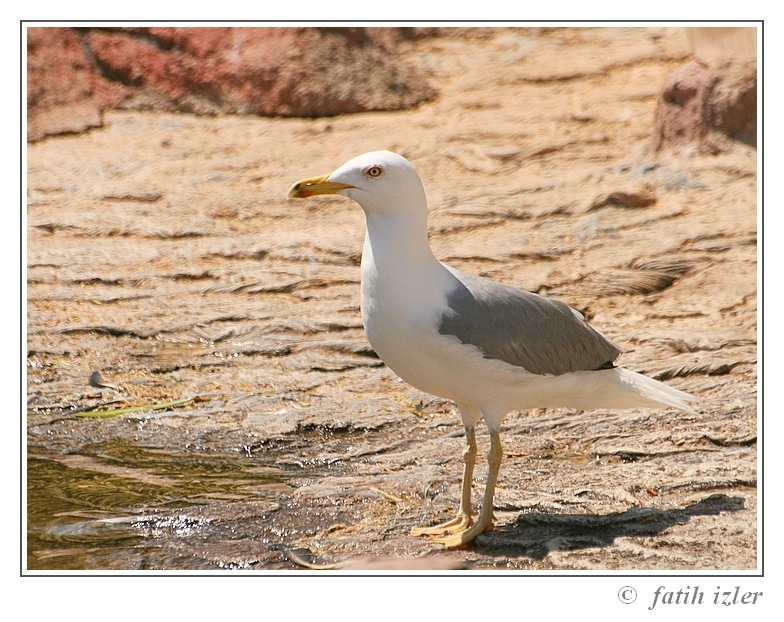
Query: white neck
{"points": [[397, 245], [399, 271]]}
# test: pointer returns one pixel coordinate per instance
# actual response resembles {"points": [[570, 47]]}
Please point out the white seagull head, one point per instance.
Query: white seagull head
{"points": [[381, 182]]}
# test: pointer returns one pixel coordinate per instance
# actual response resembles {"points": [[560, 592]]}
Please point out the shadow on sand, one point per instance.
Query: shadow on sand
{"points": [[536, 535]]}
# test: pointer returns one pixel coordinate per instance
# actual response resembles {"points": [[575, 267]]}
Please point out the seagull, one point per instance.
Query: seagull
{"points": [[489, 347]]}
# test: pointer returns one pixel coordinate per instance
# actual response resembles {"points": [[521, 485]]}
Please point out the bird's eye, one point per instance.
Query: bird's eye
{"points": [[374, 171]]}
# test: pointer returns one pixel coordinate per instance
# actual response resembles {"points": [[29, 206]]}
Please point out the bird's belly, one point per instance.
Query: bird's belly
{"points": [[440, 364], [443, 366], [404, 332]]}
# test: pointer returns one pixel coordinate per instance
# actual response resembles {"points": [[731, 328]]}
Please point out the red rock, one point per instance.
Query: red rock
{"points": [[266, 71], [706, 105], [65, 92]]}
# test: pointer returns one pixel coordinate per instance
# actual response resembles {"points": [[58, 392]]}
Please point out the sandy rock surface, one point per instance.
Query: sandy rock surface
{"points": [[163, 254]]}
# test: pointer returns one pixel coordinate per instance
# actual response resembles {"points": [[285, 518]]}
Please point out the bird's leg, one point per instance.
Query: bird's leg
{"points": [[463, 519], [469, 461], [485, 520]]}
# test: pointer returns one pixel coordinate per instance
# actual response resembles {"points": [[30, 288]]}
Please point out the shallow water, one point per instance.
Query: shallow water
{"points": [[123, 507]]}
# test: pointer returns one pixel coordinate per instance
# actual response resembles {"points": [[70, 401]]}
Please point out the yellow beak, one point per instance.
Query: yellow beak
{"points": [[312, 186]]}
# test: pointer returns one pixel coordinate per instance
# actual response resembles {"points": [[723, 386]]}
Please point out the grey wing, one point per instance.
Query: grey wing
{"points": [[543, 336]]}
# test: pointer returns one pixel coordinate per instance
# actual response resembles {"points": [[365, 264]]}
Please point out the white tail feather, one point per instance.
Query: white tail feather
{"points": [[655, 391]]}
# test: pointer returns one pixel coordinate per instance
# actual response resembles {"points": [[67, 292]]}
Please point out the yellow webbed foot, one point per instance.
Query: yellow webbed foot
{"points": [[457, 525], [457, 539]]}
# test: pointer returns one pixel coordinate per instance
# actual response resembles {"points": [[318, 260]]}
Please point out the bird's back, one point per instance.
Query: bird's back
{"points": [[542, 335]]}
